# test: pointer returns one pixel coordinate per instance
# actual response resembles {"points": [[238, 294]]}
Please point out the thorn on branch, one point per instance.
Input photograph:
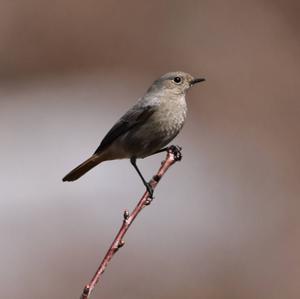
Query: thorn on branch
{"points": [[121, 244], [126, 215], [148, 202], [156, 178]]}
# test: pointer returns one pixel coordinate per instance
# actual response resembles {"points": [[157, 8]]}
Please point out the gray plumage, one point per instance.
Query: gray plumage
{"points": [[147, 127]]}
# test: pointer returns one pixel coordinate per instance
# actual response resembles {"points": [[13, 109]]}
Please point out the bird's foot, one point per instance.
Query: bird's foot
{"points": [[176, 151], [149, 190]]}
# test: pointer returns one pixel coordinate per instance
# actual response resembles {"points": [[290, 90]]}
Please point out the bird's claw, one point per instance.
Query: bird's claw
{"points": [[176, 151], [150, 190]]}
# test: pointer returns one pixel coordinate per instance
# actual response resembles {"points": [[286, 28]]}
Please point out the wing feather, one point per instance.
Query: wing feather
{"points": [[134, 117]]}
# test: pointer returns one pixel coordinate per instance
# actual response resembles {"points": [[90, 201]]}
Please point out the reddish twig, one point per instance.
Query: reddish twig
{"points": [[173, 155]]}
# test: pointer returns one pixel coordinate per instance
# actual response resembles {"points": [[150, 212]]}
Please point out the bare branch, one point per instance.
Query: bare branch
{"points": [[173, 155]]}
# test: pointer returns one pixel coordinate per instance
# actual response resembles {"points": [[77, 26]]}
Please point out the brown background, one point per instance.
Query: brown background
{"points": [[225, 221]]}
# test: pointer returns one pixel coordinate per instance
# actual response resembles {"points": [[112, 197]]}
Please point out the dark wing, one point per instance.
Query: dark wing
{"points": [[134, 117]]}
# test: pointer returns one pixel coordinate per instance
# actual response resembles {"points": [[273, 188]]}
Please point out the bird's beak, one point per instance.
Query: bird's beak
{"points": [[196, 80]]}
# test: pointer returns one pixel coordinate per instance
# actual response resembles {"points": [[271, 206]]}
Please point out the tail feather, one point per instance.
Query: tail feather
{"points": [[84, 167]]}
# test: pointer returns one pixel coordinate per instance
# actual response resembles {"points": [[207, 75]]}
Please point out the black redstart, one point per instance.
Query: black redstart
{"points": [[145, 128]]}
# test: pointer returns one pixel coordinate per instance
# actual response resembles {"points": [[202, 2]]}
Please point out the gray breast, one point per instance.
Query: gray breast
{"points": [[159, 130]]}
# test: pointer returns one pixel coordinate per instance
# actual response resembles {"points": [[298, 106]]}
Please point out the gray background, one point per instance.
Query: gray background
{"points": [[225, 221]]}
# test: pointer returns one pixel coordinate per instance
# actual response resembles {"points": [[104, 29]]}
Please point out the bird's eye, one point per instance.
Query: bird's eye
{"points": [[177, 80]]}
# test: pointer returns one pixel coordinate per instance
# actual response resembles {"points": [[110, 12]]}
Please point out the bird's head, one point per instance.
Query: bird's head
{"points": [[175, 82]]}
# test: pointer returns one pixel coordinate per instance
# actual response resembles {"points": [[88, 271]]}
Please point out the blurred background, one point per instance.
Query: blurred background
{"points": [[225, 221]]}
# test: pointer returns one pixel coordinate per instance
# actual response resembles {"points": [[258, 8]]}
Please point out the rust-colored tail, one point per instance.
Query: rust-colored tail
{"points": [[84, 167]]}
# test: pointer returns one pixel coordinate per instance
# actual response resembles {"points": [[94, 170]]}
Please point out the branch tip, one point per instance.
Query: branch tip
{"points": [[86, 292]]}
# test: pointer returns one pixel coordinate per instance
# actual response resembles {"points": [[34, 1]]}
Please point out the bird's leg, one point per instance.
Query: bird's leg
{"points": [[147, 185], [165, 149]]}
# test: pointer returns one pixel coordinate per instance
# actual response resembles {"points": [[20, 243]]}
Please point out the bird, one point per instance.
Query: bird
{"points": [[147, 127]]}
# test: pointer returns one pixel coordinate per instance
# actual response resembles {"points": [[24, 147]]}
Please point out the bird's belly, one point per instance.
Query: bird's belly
{"points": [[154, 134]]}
